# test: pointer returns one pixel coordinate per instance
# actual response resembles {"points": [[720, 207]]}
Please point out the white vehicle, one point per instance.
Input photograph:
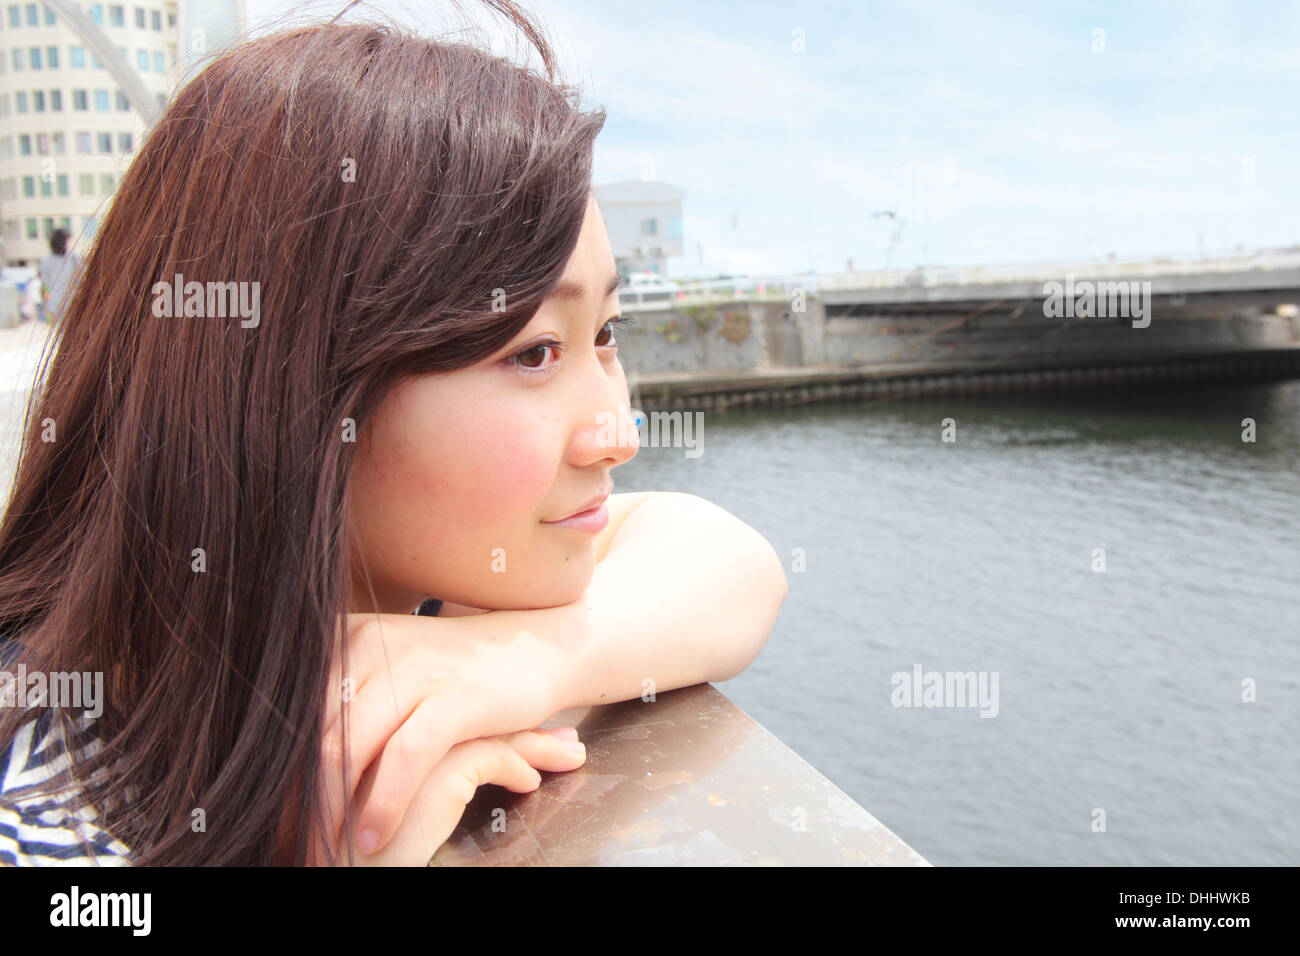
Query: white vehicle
{"points": [[648, 285]]}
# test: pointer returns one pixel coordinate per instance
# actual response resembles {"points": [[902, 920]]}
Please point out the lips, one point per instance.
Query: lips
{"points": [[592, 504]]}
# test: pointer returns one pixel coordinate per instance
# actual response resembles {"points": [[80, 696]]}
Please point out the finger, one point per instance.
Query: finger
{"points": [[440, 802], [433, 709], [544, 751], [401, 769], [374, 719]]}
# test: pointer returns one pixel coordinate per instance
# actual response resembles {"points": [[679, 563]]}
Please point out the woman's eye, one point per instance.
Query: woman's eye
{"points": [[537, 351], [616, 320], [533, 359]]}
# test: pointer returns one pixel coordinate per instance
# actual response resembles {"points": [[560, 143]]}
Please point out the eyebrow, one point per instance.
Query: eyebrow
{"points": [[567, 289]]}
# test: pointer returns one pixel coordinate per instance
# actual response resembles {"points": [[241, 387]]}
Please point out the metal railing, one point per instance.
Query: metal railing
{"points": [[780, 286], [925, 277], [684, 779]]}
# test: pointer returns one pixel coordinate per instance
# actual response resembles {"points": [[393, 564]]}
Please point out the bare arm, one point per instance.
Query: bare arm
{"points": [[686, 593]]}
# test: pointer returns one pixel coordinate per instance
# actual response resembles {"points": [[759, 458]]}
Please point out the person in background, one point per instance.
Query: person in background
{"points": [[58, 273]]}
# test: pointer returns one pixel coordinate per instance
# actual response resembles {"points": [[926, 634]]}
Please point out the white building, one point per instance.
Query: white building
{"points": [[70, 122], [644, 223]]}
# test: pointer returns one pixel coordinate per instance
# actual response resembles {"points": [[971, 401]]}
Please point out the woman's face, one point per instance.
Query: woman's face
{"points": [[458, 472]]}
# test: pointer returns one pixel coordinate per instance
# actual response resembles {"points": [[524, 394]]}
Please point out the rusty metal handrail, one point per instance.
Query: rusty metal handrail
{"points": [[688, 779]]}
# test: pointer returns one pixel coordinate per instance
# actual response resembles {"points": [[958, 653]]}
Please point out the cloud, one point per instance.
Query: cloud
{"points": [[1050, 148]]}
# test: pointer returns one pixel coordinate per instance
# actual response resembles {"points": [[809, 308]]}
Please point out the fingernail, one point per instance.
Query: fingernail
{"points": [[564, 733], [574, 747], [367, 841]]}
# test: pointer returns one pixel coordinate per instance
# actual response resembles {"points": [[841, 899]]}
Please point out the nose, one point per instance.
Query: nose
{"points": [[604, 431]]}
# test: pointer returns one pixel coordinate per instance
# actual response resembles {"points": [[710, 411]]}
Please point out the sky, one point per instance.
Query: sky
{"points": [[993, 132]]}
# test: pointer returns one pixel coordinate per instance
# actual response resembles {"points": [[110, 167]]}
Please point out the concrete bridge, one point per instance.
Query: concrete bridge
{"points": [[1150, 320]]}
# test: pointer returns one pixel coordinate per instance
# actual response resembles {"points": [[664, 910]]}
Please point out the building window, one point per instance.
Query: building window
{"points": [[101, 101], [97, 13], [43, 144], [123, 105], [61, 184], [155, 21], [77, 56], [34, 55], [56, 101], [49, 16], [33, 15], [106, 142], [86, 184], [29, 187], [139, 18], [142, 59], [24, 144], [20, 101], [60, 143], [106, 183], [47, 188], [38, 101], [52, 57], [171, 20], [6, 148], [649, 227], [18, 58], [83, 142], [15, 17], [116, 16], [48, 224], [94, 61], [158, 65], [124, 143], [31, 228], [79, 101], [4, 104]]}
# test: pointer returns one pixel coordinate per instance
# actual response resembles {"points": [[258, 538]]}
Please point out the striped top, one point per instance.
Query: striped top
{"points": [[48, 830], [54, 830]]}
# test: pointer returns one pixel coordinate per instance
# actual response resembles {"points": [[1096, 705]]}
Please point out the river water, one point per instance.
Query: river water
{"points": [[1124, 563]]}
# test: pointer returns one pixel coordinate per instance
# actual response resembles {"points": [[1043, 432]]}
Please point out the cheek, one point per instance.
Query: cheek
{"points": [[485, 480], [454, 476]]}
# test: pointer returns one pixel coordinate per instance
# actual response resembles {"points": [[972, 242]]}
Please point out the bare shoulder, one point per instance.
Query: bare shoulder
{"points": [[620, 506]]}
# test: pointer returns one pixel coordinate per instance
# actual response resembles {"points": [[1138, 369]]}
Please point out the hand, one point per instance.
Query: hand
{"points": [[418, 686], [509, 760]]}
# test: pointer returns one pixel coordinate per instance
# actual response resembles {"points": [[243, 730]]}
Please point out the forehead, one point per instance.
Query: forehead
{"points": [[590, 271]]}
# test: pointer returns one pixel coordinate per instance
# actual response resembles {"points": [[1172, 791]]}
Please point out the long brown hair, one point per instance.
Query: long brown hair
{"points": [[178, 518]]}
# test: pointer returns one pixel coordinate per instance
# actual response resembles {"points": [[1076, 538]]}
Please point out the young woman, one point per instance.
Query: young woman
{"points": [[345, 341]]}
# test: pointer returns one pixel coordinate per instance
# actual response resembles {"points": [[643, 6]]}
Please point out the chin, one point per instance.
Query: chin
{"points": [[553, 592]]}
